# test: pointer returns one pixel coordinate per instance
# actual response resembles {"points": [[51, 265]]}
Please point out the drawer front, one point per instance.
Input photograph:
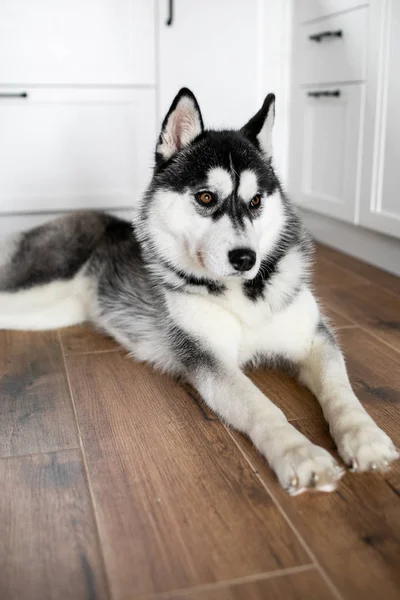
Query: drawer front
{"points": [[333, 49], [308, 10], [77, 42], [324, 149], [64, 149]]}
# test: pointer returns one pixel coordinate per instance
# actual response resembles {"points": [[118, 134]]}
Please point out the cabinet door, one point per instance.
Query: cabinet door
{"points": [[231, 54], [380, 196], [69, 148], [324, 149], [77, 42]]}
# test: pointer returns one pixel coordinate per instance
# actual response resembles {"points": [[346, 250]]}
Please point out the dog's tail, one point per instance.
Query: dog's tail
{"points": [[44, 283]]}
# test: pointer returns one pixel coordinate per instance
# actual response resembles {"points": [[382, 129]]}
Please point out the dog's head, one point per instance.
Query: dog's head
{"points": [[213, 209]]}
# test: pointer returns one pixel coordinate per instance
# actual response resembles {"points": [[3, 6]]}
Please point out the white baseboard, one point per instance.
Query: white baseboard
{"points": [[375, 248]]}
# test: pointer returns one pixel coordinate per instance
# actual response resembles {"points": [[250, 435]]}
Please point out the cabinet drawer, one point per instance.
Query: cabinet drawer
{"points": [[324, 149], [333, 49], [75, 148], [308, 10]]}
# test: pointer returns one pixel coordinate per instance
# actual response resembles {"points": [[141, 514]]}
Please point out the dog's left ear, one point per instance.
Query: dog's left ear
{"points": [[259, 128], [181, 126]]}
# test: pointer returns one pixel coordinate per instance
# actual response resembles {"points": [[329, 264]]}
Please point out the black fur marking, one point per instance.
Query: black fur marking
{"points": [[274, 362], [292, 236], [252, 129], [326, 332], [213, 287], [189, 350]]}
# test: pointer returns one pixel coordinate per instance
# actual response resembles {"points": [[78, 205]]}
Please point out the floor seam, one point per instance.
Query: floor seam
{"points": [[93, 352], [377, 337], [86, 471], [218, 585], [300, 538], [43, 453]]}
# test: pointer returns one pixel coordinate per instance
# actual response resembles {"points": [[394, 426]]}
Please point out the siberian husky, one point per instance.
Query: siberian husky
{"points": [[211, 277]]}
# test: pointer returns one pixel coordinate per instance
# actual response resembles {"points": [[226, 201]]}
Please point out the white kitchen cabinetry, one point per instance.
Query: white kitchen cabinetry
{"points": [[77, 103], [231, 54], [328, 72], [380, 189], [84, 85], [212, 48], [344, 137], [325, 136], [70, 148]]}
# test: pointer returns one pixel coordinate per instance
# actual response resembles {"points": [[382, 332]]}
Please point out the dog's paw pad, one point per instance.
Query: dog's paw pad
{"points": [[367, 448], [308, 468]]}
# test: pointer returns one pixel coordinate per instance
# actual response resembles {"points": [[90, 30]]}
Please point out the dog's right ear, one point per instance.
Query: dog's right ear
{"points": [[181, 126]]}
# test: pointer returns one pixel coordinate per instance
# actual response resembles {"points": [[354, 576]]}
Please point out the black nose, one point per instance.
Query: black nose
{"points": [[242, 259]]}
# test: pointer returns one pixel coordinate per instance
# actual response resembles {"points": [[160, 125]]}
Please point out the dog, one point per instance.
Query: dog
{"points": [[211, 277]]}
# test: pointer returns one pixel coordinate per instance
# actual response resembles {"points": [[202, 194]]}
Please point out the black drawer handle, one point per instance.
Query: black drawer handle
{"points": [[171, 13], [317, 37], [324, 94], [14, 95]]}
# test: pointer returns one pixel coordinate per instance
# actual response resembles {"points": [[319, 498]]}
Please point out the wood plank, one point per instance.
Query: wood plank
{"points": [[335, 319], [35, 409], [84, 338], [371, 307], [373, 274], [307, 585], [177, 504], [328, 274], [354, 532], [49, 547]]}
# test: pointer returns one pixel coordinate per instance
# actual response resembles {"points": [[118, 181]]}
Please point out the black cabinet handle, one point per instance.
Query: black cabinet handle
{"points": [[317, 37], [171, 13], [324, 94], [14, 95]]}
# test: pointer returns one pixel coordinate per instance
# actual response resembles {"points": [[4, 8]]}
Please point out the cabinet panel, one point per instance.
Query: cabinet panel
{"points": [[325, 150], [380, 206], [77, 42], [75, 148], [212, 48], [336, 58]]}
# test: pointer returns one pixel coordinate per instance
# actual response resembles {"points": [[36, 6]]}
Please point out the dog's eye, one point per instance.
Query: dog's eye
{"points": [[205, 198], [256, 201]]}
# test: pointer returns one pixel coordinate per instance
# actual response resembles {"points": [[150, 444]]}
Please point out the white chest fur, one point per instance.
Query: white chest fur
{"points": [[237, 329]]}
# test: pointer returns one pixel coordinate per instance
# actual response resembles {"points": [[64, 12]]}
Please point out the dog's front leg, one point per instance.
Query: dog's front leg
{"points": [[361, 443], [298, 464]]}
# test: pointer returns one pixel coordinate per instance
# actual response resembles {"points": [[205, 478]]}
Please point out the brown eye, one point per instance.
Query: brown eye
{"points": [[256, 201], [206, 198]]}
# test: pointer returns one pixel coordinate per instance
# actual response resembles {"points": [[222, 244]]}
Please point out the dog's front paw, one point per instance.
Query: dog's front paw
{"points": [[365, 447], [306, 467]]}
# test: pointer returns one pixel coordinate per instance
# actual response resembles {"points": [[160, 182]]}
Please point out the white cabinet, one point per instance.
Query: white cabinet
{"points": [[212, 48], [70, 148], [325, 141], [231, 54], [380, 188], [83, 42], [333, 50]]}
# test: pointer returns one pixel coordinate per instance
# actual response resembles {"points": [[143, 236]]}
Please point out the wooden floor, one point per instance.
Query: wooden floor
{"points": [[117, 483]]}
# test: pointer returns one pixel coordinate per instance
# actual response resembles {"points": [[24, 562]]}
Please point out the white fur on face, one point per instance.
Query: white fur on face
{"points": [[200, 245], [248, 185], [220, 181]]}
